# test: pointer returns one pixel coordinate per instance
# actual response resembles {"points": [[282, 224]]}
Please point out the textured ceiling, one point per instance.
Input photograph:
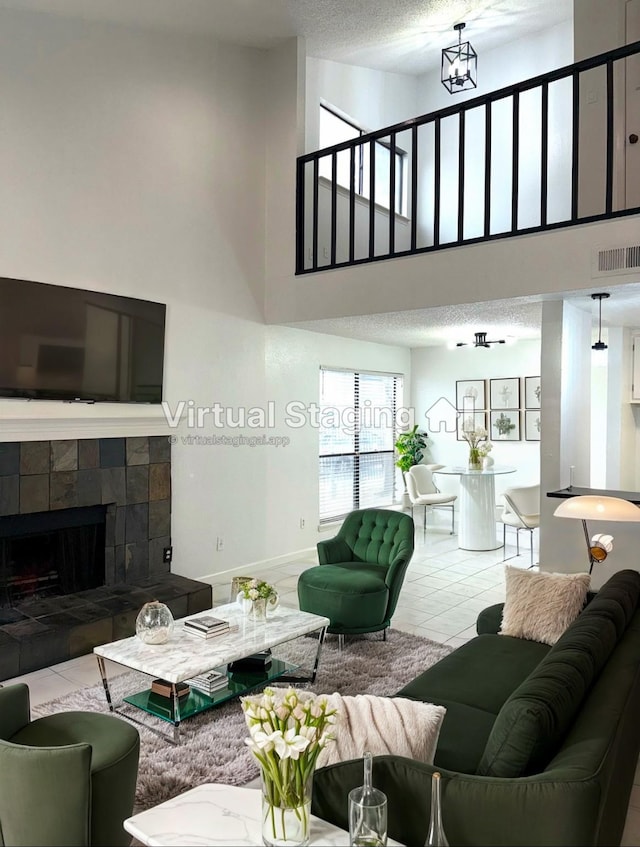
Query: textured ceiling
{"points": [[440, 326], [393, 35], [517, 318]]}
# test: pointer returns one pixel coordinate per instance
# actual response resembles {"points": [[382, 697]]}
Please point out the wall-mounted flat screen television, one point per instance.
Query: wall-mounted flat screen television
{"points": [[60, 343]]}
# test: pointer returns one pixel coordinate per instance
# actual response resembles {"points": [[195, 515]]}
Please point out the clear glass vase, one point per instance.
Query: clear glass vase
{"points": [[258, 610], [286, 806], [154, 623], [475, 461]]}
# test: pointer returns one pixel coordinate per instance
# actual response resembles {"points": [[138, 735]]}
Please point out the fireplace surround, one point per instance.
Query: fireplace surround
{"points": [[129, 480]]}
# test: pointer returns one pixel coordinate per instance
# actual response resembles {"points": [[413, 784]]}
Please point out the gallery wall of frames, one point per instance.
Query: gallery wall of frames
{"points": [[509, 408]]}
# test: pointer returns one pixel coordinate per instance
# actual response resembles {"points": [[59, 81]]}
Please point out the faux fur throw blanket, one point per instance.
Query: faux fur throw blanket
{"points": [[382, 726]]}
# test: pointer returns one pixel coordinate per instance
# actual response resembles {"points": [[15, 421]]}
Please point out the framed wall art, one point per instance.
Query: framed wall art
{"points": [[532, 392], [505, 425], [471, 421], [471, 394], [505, 393], [532, 425]]}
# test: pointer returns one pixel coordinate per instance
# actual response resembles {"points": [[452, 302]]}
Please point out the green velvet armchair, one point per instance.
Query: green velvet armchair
{"points": [[361, 571], [65, 779]]}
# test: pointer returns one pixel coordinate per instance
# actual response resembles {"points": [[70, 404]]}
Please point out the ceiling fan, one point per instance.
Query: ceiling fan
{"points": [[481, 341]]}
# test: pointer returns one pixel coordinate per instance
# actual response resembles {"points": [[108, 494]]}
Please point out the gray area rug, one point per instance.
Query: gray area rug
{"points": [[212, 745]]}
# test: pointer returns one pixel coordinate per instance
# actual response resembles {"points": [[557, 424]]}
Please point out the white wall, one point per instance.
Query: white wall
{"points": [[629, 418], [293, 360], [133, 163], [434, 371], [598, 26], [558, 260], [373, 99]]}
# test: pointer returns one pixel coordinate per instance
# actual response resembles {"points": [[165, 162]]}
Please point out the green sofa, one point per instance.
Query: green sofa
{"points": [[539, 744]]}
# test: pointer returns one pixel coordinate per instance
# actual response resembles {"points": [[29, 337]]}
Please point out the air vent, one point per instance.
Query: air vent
{"points": [[615, 260]]}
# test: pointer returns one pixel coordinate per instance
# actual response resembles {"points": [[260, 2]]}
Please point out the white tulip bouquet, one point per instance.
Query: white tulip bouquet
{"points": [[287, 731]]}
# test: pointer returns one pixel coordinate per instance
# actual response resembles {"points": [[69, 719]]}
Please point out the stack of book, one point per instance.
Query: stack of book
{"points": [[209, 682], [165, 689], [207, 626]]}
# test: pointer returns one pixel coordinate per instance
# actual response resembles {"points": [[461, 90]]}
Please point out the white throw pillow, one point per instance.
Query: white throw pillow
{"points": [[383, 726], [540, 606]]}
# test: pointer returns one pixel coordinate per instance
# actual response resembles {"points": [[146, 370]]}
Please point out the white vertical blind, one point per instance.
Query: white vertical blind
{"points": [[357, 436]]}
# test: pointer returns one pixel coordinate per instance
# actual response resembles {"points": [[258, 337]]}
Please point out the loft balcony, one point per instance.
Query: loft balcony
{"points": [[552, 152]]}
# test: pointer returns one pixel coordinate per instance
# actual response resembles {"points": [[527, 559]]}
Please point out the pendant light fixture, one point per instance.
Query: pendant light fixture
{"points": [[459, 65], [599, 345], [481, 340]]}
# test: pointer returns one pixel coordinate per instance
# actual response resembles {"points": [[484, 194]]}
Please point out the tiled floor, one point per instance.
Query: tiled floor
{"points": [[443, 591]]}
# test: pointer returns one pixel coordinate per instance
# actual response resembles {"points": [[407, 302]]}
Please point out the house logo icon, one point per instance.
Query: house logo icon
{"points": [[442, 416]]}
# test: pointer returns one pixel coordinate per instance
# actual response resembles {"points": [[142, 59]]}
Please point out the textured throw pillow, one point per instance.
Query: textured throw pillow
{"points": [[540, 606], [383, 726]]}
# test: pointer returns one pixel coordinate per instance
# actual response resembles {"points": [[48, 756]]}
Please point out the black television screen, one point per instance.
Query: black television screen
{"points": [[61, 343]]}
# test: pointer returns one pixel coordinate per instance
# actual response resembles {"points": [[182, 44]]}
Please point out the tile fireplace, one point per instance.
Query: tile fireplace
{"points": [[85, 526]]}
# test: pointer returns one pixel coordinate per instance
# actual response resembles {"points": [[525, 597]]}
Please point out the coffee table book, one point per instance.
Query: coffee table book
{"points": [[206, 623], [165, 689], [209, 683]]}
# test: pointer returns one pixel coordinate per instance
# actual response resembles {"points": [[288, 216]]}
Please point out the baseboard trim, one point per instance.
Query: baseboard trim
{"points": [[247, 568]]}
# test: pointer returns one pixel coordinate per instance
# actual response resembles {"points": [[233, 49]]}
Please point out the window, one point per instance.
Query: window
{"points": [[335, 130], [357, 437]]}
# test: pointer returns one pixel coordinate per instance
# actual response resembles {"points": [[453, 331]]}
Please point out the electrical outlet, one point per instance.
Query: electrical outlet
{"points": [[219, 544], [301, 523], [167, 554]]}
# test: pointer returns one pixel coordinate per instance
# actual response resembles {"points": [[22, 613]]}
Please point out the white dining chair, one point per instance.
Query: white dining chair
{"points": [[521, 511], [424, 492]]}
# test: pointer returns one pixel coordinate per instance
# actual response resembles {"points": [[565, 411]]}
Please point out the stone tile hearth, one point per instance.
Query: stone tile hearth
{"points": [[57, 629]]}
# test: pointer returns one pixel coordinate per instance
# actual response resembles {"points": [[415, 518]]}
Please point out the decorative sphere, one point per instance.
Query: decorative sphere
{"points": [[154, 623]]}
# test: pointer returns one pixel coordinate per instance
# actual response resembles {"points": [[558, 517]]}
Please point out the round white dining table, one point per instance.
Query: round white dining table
{"points": [[477, 513]]}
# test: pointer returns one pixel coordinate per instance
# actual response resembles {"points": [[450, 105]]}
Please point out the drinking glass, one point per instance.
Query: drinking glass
{"points": [[367, 812]]}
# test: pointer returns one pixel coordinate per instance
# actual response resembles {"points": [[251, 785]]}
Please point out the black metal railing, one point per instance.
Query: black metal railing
{"points": [[463, 184]]}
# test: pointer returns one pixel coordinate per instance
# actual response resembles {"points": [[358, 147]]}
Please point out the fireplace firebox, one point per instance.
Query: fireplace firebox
{"points": [[50, 554]]}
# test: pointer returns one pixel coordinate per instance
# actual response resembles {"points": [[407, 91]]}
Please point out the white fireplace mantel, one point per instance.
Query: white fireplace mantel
{"points": [[38, 420]]}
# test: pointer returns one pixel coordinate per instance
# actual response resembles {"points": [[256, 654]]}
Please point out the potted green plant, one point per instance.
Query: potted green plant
{"points": [[410, 448]]}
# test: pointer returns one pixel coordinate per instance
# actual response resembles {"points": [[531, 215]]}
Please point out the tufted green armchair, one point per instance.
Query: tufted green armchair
{"points": [[361, 571], [65, 779]]}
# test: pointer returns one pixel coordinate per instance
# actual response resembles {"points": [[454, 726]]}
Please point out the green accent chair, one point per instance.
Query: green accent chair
{"points": [[361, 571], [65, 779]]}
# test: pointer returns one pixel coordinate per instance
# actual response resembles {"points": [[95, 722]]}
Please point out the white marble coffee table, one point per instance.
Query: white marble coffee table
{"points": [[215, 814], [185, 656]]}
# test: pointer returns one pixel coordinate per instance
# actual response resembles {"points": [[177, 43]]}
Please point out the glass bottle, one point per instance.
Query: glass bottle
{"points": [[436, 837], [367, 812]]}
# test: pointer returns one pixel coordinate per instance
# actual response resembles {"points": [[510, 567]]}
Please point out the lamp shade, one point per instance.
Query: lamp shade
{"points": [[591, 507]]}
